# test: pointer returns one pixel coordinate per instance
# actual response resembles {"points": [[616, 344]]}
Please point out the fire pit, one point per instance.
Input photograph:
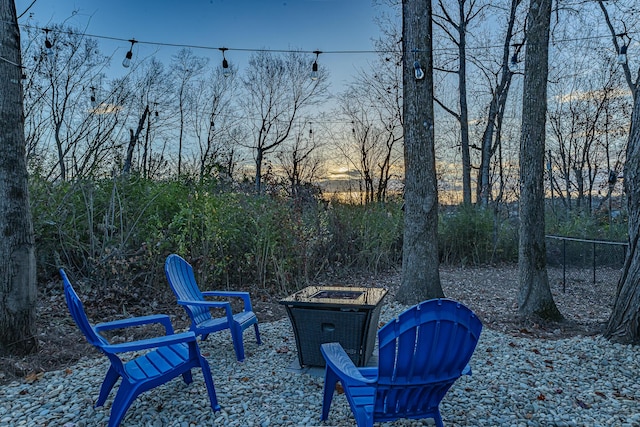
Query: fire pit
{"points": [[348, 315]]}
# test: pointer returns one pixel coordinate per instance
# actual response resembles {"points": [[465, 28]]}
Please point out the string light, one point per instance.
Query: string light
{"points": [[417, 69], [514, 64], [126, 62], [226, 71], [622, 56], [47, 43], [346, 52], [314, 67], [622, 52]]}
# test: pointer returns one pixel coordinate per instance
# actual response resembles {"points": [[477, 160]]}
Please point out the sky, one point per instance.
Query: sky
{"points": [[339, 26]]}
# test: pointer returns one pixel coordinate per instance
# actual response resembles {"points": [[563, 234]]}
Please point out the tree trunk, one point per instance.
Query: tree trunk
{"points": [[420, 262], [624, 322], [259, 158], [495, 114], [535, 299], [133, 139], [464, 109], [17, 248]]}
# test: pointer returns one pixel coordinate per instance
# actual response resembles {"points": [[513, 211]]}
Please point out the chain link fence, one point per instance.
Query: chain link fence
{"points": [[579, 257]]}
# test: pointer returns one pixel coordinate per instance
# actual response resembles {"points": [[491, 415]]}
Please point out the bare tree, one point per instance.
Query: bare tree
{"points": [[17, 250], [147, 99], [212, 118], [579, 119], [501, 83], [420, 262], [624, 322], [185, 66], [455, 26], [278, 88], [67, 71], [534, 299], [300, 159]]}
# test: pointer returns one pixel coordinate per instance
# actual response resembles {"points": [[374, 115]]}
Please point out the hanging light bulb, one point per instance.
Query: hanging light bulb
{"points": [[126, 62], [314, 67], [226, 71], [625, 41], [622, 55], [419, 73], [93, 95], [47, 43], [514, 67]]}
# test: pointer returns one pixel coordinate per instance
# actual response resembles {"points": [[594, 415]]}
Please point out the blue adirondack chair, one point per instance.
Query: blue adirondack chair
{"points": [[167, 357], [183, 283], [421, 354]]}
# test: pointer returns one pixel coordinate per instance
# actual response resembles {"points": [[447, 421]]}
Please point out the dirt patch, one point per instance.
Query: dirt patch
{"points": [[492, 292]]}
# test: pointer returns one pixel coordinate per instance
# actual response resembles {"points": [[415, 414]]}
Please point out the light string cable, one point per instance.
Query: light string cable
{"points": [[334, 51]]}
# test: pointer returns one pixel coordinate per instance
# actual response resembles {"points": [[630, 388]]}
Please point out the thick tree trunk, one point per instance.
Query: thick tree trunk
{"points": [[535, 299], [624, 322], [17, 249], [420, 262]]}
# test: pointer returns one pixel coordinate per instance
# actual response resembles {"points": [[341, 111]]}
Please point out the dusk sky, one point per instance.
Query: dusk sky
{"points": [[334, 26]]}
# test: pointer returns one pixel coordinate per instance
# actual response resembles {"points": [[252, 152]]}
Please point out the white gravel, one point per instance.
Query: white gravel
{"points": [[582, 381]]}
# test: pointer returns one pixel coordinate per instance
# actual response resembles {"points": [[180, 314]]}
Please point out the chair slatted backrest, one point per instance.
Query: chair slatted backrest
{"points": [[421, 354], [76, 309], [183, 283]]}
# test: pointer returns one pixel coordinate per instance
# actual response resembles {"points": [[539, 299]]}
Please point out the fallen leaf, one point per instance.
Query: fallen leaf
{"points": [[33, 377], [582, 404]]}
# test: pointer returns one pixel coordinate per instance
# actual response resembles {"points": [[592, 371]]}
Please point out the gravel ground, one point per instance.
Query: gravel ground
{"points": [[516, 381]]}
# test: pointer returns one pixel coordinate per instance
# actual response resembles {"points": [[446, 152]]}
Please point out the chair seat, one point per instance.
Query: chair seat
{"points": [[219, 323], [158, 363]]}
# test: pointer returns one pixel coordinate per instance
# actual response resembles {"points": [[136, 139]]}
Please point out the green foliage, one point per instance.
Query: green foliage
{"points": [[366, 237], [583, 226], [578, 225], [121, 230], [473, 235]]}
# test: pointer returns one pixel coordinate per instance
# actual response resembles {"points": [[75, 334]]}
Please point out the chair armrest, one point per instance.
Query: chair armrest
{"points": [[232, 294], [210, 304], [148, 343], [162, 319], [338, 360]]}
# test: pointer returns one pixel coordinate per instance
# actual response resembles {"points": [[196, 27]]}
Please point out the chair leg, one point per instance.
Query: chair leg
{"points": [[208, 381], [258, 340], [127, 393], [108, 383], [438, 419], [187, 377], [330, 381], [238, 345]]}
